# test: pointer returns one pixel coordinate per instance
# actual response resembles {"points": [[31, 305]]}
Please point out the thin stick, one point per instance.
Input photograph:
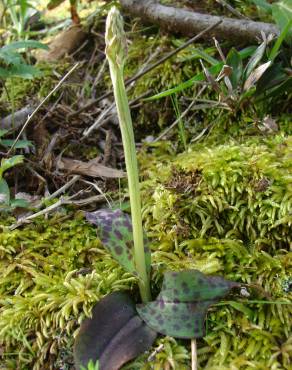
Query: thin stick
{"points": [[100, 120], [96, 187], [59, 191], [40, 105], [218, 47], [154, 353], [148, 69], [194, 354], [172, 53], [62, 201], [45, 211]]}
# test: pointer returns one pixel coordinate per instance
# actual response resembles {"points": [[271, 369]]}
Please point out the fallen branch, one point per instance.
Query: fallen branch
{"points": [[58, 192], [190, 23]]}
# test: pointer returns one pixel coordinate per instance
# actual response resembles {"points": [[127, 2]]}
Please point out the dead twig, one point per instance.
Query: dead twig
{"points": [[187, 22], [52, 108], [47, 210], [98, 189], [99, 74], [155, 352], [58, 192], [62, 201], [100, 120], [106, 115]]}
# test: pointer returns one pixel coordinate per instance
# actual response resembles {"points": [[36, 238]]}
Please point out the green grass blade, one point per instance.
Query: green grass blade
{"points": [[199, 77], [280, 40]]}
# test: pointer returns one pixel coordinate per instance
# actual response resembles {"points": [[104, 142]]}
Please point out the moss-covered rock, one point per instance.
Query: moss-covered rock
{"points": [[227, 210], [235, 191], [223, 210]]}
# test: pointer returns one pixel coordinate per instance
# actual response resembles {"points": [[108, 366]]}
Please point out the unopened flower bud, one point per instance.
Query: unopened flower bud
{"points": [[115, 38]]}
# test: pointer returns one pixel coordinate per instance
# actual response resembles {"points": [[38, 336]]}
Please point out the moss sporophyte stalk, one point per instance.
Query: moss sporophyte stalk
{"points": [[116, 54]]}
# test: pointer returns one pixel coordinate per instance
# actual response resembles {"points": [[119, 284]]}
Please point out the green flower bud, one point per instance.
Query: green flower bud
{"points": [[115, 38]]}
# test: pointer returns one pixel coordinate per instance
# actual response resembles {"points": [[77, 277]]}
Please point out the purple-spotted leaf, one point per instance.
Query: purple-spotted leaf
{"points": [[180, 308], [114, 335], [115, 232]]}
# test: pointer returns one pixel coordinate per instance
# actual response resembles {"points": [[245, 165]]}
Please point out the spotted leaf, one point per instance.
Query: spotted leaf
{"points": [[115, 232], [180, 308]]}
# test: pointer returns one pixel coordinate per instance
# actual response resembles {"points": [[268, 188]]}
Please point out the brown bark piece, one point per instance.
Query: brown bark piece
{"points": [[189, 23], [92, 168], [65, 43]]}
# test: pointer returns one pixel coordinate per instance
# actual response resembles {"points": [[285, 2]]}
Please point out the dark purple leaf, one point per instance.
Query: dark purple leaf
{"points": [[114, 335]]}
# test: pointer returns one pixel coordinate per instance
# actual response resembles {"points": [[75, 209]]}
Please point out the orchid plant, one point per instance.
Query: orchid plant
{"points": [[119, 329]]}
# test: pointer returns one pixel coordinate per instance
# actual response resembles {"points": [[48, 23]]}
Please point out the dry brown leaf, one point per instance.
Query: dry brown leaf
{"points": [[256, 75], [92, 168], [269, 125], [65, 43]]}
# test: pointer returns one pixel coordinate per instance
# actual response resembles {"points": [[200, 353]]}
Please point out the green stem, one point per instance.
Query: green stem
{"points": [[116, 54], [126, 126]]}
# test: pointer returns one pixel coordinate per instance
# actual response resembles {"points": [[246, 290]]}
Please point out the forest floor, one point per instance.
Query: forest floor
{"points": [[216, 189]]}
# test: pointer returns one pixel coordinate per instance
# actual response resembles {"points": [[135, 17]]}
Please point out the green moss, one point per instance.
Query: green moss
{"points": [[223, 207], [220, 209], [20, 89], [51, 273], [226, 210], [167, 353], [240, 335], [234, 191]]}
